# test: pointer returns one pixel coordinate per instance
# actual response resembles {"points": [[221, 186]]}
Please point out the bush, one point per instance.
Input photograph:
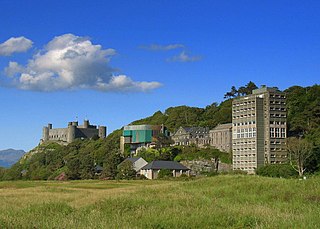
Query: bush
{"points": [[209, 174], [164, 173], [277, 170]]}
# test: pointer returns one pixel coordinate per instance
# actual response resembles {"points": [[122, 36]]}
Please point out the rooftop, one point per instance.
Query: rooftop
{"points": [[172, 165]]}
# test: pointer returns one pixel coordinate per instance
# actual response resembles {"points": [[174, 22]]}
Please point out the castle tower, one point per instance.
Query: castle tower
{"points": [[102, 131], [86, 124], [71, 133], [45, 134]]}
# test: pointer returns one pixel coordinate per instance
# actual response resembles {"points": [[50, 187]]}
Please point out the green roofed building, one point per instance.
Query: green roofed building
{"points": [[137, 136]]}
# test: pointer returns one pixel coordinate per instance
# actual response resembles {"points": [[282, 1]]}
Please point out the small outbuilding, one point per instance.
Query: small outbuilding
{"points": [[152, 169], [137, 162]]}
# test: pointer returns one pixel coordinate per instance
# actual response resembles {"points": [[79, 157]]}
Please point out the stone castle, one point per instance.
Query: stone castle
{"points": [[72, 132]]}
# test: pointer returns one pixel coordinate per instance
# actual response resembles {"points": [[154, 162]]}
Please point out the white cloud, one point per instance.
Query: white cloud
{"points": [[125, 84], [183, 57], [13, 69], [15, 44], [72, 62], [155, 47]]}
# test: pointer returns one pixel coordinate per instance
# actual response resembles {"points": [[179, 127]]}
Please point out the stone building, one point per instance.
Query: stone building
{"points": [[259, 129], [221, 137], [72, 132], [192, 135]]}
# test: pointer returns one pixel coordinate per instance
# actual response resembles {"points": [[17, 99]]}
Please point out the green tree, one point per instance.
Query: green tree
{"points": [[125, 170], [277, 170]]}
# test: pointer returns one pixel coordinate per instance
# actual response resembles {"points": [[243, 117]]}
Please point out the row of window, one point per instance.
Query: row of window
{"points": [[243, 109], [278, 115], [277, 96], [244, 168], [243, 162], [278, 149], [277, 109], [278, 156], [244, 133], [244, 143], [243, 103], [244, 116], [57, 136], [277, 102], [244, 123], [277, 123], [245, 155]]}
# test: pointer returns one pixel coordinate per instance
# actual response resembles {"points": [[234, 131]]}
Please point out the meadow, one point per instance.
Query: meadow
{"points": [[223, 201]]}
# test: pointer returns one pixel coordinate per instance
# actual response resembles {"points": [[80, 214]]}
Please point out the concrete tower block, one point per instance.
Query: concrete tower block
{"points": [[102, 131], [71, 133], [45, 134]]}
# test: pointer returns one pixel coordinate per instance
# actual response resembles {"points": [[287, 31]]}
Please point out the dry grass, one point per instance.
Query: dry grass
{"points": [[217, 202]]}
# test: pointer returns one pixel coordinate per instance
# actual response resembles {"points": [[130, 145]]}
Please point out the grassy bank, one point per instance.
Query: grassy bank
{"points": [[217, 202]]}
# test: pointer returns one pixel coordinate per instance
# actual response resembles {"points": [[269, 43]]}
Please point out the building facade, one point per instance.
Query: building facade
{"points": [[140, 136], [72, 132], [221, 137], [259, 129], [151, 170], [192, 135]]}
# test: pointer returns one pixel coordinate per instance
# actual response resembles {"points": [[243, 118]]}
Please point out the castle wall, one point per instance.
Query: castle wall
{"points": [[58, 134], [86, 133]]}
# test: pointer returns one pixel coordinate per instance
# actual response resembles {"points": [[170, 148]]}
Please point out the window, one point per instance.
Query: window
{"points": [[272, 132], [277, 132], [283, 133]]}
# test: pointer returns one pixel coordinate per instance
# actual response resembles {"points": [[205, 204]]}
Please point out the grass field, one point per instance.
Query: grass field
{"points": [[216, 202]]}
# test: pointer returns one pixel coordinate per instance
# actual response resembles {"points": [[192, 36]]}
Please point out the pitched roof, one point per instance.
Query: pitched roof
{"points": [[132, 159], [165, 165], [223, 126], [194, 131]]}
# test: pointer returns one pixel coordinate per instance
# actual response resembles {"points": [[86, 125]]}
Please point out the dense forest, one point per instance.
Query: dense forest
{"points": [[79, 160]]}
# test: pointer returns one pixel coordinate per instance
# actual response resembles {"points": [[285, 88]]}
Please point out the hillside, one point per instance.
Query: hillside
{"points": [[79, 159], [174, 117], [10, 156]]}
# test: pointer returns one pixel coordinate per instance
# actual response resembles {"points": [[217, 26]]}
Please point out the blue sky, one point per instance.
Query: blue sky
{"points": [[124, 60]]}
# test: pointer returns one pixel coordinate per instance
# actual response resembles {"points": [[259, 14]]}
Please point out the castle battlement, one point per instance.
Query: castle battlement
{"points": [[72, 132]]}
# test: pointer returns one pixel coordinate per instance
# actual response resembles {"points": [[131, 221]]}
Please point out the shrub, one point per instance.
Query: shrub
{"points": [[164, 173], [277, 170], [209, 174]]}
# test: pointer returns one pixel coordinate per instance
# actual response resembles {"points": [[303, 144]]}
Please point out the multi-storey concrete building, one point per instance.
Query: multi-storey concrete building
{"points": [[259, 129], [221, 137], [72, 132]]}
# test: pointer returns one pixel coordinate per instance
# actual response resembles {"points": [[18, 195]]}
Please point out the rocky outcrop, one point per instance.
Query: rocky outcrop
{"points": [[198, 166]]}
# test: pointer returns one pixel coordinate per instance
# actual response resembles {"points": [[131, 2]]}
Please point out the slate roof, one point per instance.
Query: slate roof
{"points": [[132, 159], [193, 131], [223, 126], [98, 168], [172, 165]]}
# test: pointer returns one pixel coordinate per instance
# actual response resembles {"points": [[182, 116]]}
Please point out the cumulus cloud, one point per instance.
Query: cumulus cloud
{"points": [[155, 47], [15, 44], [183, 57], [72, 62]]}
